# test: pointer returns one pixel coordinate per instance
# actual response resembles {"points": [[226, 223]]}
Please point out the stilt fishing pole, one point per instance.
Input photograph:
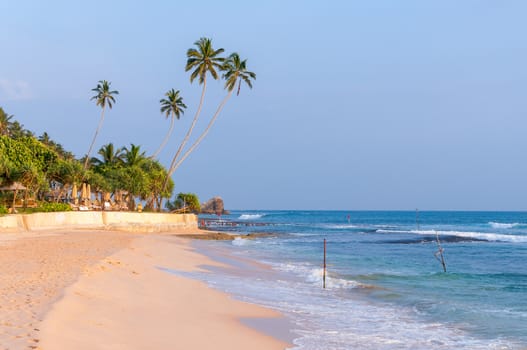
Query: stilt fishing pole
{"points": [[324, 272], [439, 254]]}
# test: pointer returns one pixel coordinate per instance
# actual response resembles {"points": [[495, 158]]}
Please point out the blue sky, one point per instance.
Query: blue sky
{"points": [[357, 104]]}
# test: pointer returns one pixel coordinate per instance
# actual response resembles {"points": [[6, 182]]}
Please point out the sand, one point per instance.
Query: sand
{"points": [[107, 290]]}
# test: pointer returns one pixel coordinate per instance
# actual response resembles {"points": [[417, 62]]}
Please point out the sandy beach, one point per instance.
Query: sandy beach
{"points": [[87, 289]]}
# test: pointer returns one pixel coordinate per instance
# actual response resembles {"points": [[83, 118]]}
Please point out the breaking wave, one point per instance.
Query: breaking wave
{"points": [[503, 225], [251, 216], [490, 237]]}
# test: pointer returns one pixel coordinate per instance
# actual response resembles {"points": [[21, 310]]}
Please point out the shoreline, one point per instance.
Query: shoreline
{"points": [[115, 295]]}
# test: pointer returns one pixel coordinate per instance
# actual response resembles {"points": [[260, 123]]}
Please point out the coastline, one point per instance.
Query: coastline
{"points": [[112, 293]]}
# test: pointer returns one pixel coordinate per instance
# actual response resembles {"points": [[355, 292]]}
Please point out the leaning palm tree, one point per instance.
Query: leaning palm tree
{"points": [[103, 96], [202, 60], [235, 73], [172, 107]]}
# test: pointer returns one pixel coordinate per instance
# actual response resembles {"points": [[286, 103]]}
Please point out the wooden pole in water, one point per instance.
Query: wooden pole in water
{"points": [[439, 253], [324, 273]]}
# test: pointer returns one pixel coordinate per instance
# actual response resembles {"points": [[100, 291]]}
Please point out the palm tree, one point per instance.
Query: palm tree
{"points": [[104, 96], [16, 130], [172, 106], [109, 155], [45, 139], [202, 60], [5, 122], [235, 73], [133, 156]]}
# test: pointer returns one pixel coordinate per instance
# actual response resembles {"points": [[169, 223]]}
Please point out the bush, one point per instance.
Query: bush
{"points": [[52, 207], [185, 202], [3, 210]]}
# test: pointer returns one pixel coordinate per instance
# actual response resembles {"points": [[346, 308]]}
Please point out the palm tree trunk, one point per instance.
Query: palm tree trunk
{"points": [[189, 132], [203, 134], [14, 200], [163, 144], [93, 141], [185, 140]]}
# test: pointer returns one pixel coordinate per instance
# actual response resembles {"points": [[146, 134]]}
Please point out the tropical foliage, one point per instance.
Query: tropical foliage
{"points": [[185, 203], [174, 107], [48, 172], [202, 61], [128, 171], [103, 97]]}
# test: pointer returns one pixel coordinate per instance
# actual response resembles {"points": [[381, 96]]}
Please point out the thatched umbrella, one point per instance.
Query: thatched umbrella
{"points": [[15, 186], [106, 202], [88, 193], [74, 193], [83, 191]]}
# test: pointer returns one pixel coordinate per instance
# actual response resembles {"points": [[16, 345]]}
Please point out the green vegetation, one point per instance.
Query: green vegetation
{"points": [[172, 106], [103, 97], [51, 207], [202, 61], [38, 174], [185, 203]]}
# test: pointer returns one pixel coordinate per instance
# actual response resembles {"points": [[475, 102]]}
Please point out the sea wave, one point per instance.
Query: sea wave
{"points": [[238, 241], [315, 276], [504, 225], [490, 237], [250, 216], [338, 227]]}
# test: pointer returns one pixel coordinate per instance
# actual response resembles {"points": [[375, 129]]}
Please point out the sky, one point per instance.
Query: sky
{"points": [[357, 105]]}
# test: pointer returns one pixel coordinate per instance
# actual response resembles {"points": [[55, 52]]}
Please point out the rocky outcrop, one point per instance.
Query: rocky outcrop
{"points": [[213, 206]]}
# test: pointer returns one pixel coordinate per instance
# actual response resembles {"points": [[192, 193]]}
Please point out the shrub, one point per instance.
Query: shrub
{"points": [[52, 207], [185, 202], [3, 210]]}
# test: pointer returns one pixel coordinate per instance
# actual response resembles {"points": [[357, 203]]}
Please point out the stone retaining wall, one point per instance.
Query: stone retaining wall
{"points": [[105, 220]]}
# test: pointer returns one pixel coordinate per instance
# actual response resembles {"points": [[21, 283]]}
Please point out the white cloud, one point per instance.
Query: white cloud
{"points": [[14, 90]]}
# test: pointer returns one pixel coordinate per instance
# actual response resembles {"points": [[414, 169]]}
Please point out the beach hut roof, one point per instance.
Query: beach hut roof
{"points": [[13, 187]]}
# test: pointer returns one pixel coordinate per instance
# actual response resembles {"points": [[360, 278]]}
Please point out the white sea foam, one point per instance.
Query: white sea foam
{"points": [[250, 216], [503, 225], [491, 237], [323, 319], [238, 241], [339, 227], [315, 275]]}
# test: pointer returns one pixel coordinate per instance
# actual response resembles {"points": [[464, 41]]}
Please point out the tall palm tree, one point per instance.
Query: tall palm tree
{"points": [[172, 107], [235, 73], [202, 60], [103, 97]]}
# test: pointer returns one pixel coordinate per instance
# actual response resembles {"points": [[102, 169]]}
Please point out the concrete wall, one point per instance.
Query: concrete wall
{"points": [[106, 220], [73, 219], [148, 222], [12, 223]]}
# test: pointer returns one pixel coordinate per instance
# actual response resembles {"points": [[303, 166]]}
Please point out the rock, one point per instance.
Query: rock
{"points": [[213, 206]]}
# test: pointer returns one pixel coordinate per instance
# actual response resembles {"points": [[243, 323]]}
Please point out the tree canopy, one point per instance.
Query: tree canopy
{"points": [[49, 172]]}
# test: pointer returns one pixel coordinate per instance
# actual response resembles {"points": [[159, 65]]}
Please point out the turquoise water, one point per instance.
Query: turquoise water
{"points": [[385, 288]]}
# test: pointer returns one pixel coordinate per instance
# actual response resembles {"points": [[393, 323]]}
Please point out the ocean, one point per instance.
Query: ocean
{"points": [[385, 288]]}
